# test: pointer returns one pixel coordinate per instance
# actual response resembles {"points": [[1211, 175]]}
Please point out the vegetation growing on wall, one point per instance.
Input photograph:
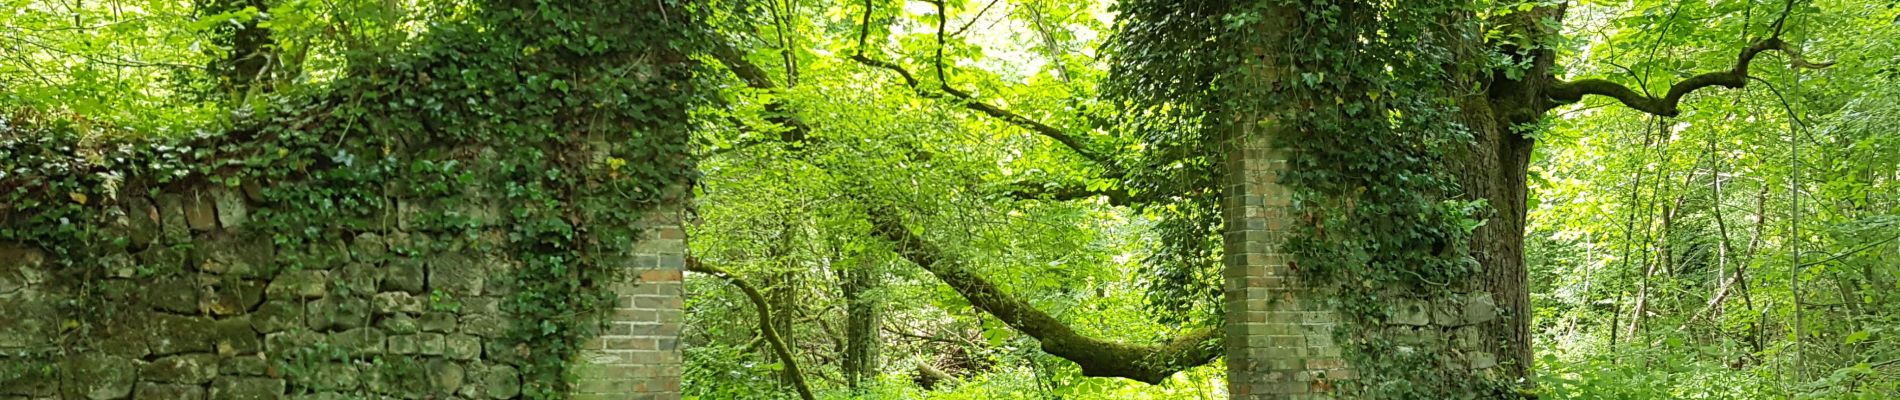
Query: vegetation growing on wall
{"points": [[540, 132]]}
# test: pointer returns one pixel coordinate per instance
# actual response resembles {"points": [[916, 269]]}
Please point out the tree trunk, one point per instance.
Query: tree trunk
{"points": [[861, 321], [250, 44], [1495, 170]]}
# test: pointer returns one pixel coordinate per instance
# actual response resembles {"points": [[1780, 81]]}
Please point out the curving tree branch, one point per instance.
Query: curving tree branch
{"points": [[1735, 77], [765, 326], [1099, 358]]}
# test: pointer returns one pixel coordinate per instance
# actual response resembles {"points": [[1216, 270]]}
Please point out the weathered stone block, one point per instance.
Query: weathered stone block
{"points": [[327, 377], [173, 294], [1409, 312], [194, 369], [359, 342], [405, 344], [369, 247], [337, 313], [300, 284], [328, 396], [236, 388], [484, 325], [286, 341], [247, 256], [405, 274], [480, 305], [438, 321], [457, 274], [100, 377], [358, 279], [319, 255], [277, 316], [462, 347], [142, 224], [232, 212], [235, 336], [430, 343], [1480, 309], [397, 302], [174, 334], [1448, 311], [1481, 360], [122, 336], [150, 390], [118, 265], [249, 365], [445, 377], [165, 259], [229, 295], [399, 324], [501, 382], [171, 217], [504, 352], [200, 213]]}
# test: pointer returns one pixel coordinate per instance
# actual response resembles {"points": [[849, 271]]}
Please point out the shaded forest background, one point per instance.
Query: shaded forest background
{"points": [[1747, 247]]}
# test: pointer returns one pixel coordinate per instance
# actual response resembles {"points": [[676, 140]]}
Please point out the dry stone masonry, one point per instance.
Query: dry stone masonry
{"points": [[194, 304]]}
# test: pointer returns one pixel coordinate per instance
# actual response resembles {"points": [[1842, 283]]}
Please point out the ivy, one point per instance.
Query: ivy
{"points": [[1359, 111], [562, 123]]}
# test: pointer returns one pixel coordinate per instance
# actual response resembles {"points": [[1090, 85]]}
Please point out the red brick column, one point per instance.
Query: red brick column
{"points": [[638, 357]]}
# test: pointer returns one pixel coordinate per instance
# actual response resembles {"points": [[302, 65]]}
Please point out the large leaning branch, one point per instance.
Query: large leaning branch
{"points": [[1668, 105], [1100, 358], [765, 325], [796, 131]]}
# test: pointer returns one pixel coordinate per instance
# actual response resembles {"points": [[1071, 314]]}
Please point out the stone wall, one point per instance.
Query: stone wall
{"points": [[182, 297], [1279, 334]]}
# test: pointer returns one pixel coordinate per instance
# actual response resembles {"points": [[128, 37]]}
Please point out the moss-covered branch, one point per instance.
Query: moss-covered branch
{"points": [[1734, 78], [1097, 357]]}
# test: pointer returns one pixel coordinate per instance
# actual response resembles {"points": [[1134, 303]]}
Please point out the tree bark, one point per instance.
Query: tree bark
{"points": [[251, 48], [861, 321]]}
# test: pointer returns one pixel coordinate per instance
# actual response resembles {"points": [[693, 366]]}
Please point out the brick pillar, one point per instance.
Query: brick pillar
{"points": [[1279, 335], [638, 357]]}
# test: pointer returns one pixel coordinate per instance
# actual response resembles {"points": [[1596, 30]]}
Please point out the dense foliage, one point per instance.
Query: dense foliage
{"points": [[868, 166], [492, 104]]}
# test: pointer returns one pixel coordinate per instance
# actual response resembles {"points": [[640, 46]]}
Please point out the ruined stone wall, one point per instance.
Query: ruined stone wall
{"points": [[188, 292]]}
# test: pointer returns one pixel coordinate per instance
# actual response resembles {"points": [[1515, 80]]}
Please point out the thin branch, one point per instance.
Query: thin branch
{"points": [[1073, 142], [765, 326], [1734, 78], [1844, 254], [973, 20], [1027, 190]]}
